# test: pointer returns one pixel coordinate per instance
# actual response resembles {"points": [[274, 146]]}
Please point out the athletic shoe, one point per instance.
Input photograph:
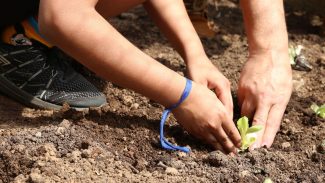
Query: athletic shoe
{"points": [[39, 76]]}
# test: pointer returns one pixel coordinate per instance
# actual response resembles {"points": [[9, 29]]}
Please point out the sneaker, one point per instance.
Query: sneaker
{"points": [[38, 76]]}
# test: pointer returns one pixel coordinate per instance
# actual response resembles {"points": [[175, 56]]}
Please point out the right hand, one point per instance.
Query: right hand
{"points": [[203, 115]]}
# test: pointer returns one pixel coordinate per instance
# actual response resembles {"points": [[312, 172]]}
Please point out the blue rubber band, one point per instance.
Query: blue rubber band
{"points": [[164, 143]]}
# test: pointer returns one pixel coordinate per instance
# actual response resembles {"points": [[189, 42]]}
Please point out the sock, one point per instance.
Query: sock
{"points": [[22, 33]]}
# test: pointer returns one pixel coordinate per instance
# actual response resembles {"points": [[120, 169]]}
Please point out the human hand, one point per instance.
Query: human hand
{"points": [[264, 91], [204, 72], [203, 115]]}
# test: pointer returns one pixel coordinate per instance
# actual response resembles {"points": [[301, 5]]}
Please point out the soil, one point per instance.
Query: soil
{"points": [[119, 142]]}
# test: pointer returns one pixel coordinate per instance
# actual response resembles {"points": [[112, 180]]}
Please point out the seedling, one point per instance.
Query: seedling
{"points": [[298, 60], [248, 134], [293, 53], [319, 110]]}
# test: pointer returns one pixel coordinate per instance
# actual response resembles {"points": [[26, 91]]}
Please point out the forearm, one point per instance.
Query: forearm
{"points": [[95, 43], [265, 26], [173, 20]]}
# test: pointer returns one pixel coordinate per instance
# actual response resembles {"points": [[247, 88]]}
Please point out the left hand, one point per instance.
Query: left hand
{"points": [[264, 91], [204, 72]]}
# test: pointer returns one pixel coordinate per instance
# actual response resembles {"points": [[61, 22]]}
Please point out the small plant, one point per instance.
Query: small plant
{"points": [[297, 60], [319, 110], [294, 52], [248, 134]]}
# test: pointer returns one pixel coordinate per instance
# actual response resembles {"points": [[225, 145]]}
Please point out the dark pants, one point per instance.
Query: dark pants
{"points": [[13, 11]]}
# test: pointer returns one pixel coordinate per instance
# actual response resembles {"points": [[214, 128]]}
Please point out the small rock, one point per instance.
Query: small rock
{"points": [[244, 173], [161, 164], [135, 106], [20, 179], [128, 100], [171, 171], [74, 156], [60, 130], [286, 120], [285, 145], [38, 134], [181, 154], [37, 178], [65, 123]]}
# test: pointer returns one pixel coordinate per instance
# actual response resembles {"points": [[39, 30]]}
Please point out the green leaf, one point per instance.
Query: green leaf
{"points": [[314, 107], [320, 111], [254, 129], [251, 140], [242, 125], [292, 55]]}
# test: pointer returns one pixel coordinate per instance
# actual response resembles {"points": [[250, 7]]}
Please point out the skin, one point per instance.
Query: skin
{"points": [[265, 84], [81, 30]]}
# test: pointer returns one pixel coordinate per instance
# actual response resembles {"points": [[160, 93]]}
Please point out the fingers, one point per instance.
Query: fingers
{"points": [[273, 124], [226, 98], [260, 118], [224, 140], [230, 128], [223, 93], [214, 142]]}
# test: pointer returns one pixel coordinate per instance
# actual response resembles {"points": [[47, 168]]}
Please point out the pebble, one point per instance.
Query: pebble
{"points": [[161, 164], [285, 145], [20, 179], [128, 100], [65, 123], [60, 130], [38, 134], [244, 173], [135, 106], [171, 171], [181, 154]]}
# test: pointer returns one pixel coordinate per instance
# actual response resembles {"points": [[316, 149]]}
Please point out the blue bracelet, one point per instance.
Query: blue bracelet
{"points": [[164, 143]]}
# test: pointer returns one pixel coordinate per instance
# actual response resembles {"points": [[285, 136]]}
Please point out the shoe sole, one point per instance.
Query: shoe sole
{"points": [[21, 96]]}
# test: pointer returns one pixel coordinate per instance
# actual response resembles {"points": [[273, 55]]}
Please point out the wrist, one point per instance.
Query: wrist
{"points": [[275, 56], [196, 59]]}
